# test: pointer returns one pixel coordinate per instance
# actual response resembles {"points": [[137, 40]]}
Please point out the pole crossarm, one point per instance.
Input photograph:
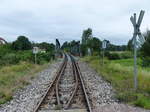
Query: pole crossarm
{"points": [[140, 18], [136, 25]]}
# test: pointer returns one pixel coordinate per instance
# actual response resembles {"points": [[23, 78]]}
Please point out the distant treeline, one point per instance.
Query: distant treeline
{"points": [[21, 50], [93, 45]]}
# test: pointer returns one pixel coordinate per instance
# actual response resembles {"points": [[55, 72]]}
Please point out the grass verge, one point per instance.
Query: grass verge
{"points": [[16, 76], [120, 74]]}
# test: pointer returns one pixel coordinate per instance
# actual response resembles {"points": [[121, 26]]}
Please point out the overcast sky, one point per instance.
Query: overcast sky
{"points": [[46, 20]]}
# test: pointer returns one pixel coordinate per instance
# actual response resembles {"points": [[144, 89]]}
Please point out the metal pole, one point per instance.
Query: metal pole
{"points": [[135, 52], [35, 58], [103, 55], [79, 50], [135, 63], [136, 26], [99, 57]]}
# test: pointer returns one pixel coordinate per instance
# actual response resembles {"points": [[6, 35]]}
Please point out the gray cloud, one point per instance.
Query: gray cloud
{"points": [[45, 20]]}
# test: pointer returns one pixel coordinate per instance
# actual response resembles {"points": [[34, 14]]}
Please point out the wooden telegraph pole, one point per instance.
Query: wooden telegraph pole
{"points": [[137, 43]]}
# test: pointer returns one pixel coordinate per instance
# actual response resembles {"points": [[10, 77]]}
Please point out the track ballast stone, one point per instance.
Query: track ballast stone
{"points": [[25, 100], [101, 92]]}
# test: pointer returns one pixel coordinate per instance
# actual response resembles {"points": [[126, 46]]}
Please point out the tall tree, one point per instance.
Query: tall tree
{"points": [[22, 43], [94, 43], [86, 35], [145, 49]]}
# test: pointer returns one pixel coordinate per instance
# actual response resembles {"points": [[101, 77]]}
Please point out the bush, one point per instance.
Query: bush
{"points": [[15, 58], [4, 49], [118, 55], [114, 56], [126, 55], [146, 61], [43, 57], [25, 56], [10, 58], [142, 101]]}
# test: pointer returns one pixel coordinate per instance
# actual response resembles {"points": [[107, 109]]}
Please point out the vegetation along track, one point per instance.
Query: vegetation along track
{"points": [[67, 91]]}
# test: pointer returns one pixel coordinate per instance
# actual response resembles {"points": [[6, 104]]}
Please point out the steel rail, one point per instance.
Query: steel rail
{"points": [[62, 66], [57, 83], [76, 86], [82, 84]]}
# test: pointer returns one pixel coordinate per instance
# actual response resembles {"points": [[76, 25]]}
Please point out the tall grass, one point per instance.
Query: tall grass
{"points": [[120, 74], [16, 76]]}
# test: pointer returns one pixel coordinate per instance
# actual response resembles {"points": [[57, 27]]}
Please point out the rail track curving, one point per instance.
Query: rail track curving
{"points": [[67, 91]]}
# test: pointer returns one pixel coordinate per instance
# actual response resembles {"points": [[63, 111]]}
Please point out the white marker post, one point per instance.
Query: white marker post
{"points": [[103, 47], [137, 31], [35, 51]]}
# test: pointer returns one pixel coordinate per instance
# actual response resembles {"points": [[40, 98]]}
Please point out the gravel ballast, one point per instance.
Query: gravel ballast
{"points": [[25, 100], [101, 93]]}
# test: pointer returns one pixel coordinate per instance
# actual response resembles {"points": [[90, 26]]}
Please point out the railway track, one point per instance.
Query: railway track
{"points": [[67, 91]]}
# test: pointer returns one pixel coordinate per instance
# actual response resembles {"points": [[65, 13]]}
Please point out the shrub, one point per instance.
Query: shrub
{"points": [[142, 101], [126, 55], [113, 56], [146, 61], [118, 55], [10, 58], [25, 55], [4, 49], [126, 96], [43, 57]]}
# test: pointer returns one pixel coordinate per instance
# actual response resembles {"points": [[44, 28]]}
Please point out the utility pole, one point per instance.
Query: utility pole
{"points": [[136, 43], [35, 59], [35, 51], [103, 55], [103, 48]]}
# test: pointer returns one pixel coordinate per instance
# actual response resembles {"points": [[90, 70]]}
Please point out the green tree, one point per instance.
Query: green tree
{"points": [[22, 43], [86, 35], [145, 50], [95, 44], [75, 47], [130, 45], [47, 46], [83, 49]]}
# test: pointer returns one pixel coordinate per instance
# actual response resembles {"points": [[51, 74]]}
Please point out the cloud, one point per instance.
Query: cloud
{"points": [[45, 20]]}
